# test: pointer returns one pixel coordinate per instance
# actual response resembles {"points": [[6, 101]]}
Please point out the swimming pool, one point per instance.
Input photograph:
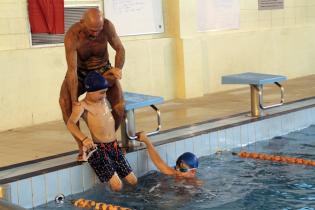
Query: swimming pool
{"points": [[229, 182]]}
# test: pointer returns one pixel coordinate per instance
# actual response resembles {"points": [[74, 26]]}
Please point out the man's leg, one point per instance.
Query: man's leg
{"points": [[116, 99], [66, 109]]}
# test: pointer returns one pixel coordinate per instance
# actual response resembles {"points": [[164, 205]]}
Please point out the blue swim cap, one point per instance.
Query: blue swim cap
{"points": [[189, 159], [94, 82]]}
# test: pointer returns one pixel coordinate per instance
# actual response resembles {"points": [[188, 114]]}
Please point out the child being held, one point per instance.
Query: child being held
{"points": [[108, 160]]}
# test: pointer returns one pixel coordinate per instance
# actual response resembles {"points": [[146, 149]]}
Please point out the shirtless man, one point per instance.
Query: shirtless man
{"points": [[86, 50], [108, 160]]}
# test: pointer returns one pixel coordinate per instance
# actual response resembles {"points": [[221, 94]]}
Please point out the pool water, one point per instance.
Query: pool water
{"points": [[228, 182]]}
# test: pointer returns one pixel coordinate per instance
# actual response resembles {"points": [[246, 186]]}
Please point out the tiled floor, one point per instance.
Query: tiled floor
{"points": [[24, 144]]}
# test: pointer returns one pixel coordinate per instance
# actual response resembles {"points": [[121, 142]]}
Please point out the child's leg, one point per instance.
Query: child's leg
{"points": [[115, 183], [131, 178]]}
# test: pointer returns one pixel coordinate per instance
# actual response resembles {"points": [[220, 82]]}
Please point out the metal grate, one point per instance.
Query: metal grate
{"points": [[72, 15]]}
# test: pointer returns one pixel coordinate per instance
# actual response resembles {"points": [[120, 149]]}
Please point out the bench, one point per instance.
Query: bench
{"points": [[135, 101], [256, 81]]}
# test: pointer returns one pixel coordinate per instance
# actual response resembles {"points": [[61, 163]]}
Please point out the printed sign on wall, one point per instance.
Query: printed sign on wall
{"points": [[270, 4]]}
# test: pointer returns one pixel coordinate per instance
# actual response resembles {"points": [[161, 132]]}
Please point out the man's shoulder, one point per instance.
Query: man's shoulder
{"points": [[74, 29]]}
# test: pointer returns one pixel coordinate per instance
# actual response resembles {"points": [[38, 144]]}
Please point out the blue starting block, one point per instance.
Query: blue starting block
{"points": [[135, 101], [256, 82]]}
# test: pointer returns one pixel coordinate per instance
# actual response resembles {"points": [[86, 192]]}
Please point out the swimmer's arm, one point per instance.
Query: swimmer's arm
{"points": [[77, 111], [155, 157], [115, 42], [71, 57]]}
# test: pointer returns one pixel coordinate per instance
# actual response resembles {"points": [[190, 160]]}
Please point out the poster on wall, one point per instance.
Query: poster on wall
{"points": [[270, 4], [135, 17], [218, 15]]}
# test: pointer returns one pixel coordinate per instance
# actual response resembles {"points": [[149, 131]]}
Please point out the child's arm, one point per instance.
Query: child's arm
{"points": [[77, 111], [155, 157]]}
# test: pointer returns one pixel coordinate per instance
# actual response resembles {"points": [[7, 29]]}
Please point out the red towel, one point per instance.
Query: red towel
{"points": [[46, 16]]}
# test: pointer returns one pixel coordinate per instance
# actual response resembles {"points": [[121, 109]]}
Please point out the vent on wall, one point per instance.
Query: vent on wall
{"points": [[72, 15]]}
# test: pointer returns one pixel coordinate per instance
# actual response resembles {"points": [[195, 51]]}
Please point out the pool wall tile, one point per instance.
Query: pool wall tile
{"points": [[142, 162], [171, 153], [213, 142], [76, 178], [261, 131], [244, 135], [51, 182], [132, 158], [14, 196], [63, 181], [251, 132], [189, 144], [309, 116], [151, 165], [180, 147], [162, 151], [39, 190], [275, 127], [312, 116], [25, 193], [230, 138], [88, 176], [221, 140], [202, 145]]}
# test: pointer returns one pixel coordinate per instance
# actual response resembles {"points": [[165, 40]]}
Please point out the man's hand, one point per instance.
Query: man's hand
{"points": [[88, 144], [142, 137], [113, 72]]}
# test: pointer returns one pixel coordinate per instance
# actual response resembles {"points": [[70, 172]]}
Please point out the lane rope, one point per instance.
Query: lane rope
{"points": [[275, 158], [83, 203]]}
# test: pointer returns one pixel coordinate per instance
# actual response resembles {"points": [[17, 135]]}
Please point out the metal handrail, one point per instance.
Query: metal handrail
{"points": [[260, 92], [148, 133]]}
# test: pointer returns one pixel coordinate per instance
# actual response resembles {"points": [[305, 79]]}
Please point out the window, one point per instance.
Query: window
{"points": [[72, 14]]}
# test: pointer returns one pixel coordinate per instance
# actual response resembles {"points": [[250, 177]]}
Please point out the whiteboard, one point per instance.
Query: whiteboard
{"points": [[218, 14], [135, 17]]}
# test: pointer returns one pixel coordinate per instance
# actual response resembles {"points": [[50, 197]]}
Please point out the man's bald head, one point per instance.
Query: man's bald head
{"points": [[93, 20]]}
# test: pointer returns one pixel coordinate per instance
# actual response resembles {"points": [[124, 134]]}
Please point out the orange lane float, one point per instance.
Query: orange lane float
{"points": [[82, 203], [276, 158]]}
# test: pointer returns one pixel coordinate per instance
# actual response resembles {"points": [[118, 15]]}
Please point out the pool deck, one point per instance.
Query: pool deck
{"points": [[49, 139]]}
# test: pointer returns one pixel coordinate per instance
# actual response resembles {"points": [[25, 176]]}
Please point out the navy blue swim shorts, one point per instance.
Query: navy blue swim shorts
{"points": [[108, 159]]}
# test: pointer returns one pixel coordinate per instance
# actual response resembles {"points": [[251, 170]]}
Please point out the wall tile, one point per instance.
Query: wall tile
{"points": [[202, 145], [14, 197], [51, 182], [88, 176], [221, 140], [133, 160], [180, 147], [171, 154], [64, 181], [142, 162], [213, 142], [189, 144], [244, 135], [39, 190], [76, 178], [25, 193]]}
